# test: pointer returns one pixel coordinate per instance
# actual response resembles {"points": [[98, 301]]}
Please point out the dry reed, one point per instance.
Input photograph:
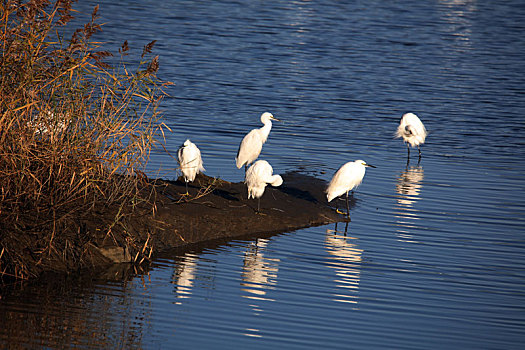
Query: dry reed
{"points": [[75, 133]]}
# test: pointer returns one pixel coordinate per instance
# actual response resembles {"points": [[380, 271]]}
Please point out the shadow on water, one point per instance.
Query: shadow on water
{"points": [[98, 309], [73, 310]]}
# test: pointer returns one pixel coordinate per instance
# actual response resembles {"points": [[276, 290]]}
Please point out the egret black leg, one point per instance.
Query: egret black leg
{"points": [[337, 204], [258, 205], [186, 182], [408, 150], [347, 206], [419, 150]]}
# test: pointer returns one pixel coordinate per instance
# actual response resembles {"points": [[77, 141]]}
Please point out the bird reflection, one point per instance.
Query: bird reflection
{"points": [[259, 273], [184, 275], [347, 264], [408, 188], [409, 185]]}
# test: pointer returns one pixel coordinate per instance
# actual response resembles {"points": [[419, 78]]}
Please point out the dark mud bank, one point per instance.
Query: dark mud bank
{"points": [[213, 210], [226, 211]]}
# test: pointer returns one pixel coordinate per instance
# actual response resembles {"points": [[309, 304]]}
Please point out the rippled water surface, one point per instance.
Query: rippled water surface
{"points": [[435, 254]]}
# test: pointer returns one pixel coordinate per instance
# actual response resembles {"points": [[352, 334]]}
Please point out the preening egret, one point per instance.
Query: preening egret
{"points": [[190, 161], [251, 144], [257, 177], [412, 130], [348, 177]]}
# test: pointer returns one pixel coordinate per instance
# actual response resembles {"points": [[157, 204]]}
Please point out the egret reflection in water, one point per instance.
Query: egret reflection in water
{"points": [[408, 188], [259, 273], [184, 275], [347, 265]]}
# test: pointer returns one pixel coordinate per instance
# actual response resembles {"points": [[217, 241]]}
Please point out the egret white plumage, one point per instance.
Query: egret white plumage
{"points": [[258, 176], [251, 144], [49, 124], [190, 161], [412, 130], [348, 177]]}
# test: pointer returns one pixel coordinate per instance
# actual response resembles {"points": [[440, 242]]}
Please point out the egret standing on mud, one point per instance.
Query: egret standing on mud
{"points": [[412, 130], [251, 144], [190, 161], [257, 177], [348, 177]]}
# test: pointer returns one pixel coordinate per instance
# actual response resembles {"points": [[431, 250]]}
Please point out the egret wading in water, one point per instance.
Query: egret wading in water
{"points": [[412, 130], [258, 176], [251, 144], [190, 161], [348, 177]]}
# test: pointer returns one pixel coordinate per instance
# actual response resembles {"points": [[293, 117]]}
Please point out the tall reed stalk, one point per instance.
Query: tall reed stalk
{"points": [[75, 133]]}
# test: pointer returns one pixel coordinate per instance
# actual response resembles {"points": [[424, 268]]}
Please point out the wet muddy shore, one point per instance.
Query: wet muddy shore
{"points": [[214, 209]]}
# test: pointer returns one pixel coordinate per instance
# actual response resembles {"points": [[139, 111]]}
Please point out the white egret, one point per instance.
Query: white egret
{"points": [[348, 177], [251, 144], [49, 124], [257, 177], [190, 161], [412, 130]]}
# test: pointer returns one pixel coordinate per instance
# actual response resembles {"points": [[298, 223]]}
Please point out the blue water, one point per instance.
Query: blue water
{"points": [[435, 254]]}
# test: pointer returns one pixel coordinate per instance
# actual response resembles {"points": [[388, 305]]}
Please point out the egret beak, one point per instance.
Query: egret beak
{"points": [[371, 166], [273, 118]]}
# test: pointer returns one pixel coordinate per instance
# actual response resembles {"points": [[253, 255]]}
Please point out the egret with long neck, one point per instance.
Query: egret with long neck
{"points": [[251, 145]]}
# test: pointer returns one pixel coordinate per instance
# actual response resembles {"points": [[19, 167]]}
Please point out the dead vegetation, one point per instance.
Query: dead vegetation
{"points": [[75, 135]]}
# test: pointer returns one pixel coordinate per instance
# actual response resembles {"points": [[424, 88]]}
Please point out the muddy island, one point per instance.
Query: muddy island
{"points": [[213, 209]]}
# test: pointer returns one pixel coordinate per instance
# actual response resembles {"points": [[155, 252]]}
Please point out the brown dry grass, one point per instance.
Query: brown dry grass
{"points": [[75, 133]]}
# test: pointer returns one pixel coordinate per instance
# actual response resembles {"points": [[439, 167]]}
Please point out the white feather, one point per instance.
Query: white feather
{"points": [[412, 130], [251, 145], [348, 177], [258, 176], [190, 160]]}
